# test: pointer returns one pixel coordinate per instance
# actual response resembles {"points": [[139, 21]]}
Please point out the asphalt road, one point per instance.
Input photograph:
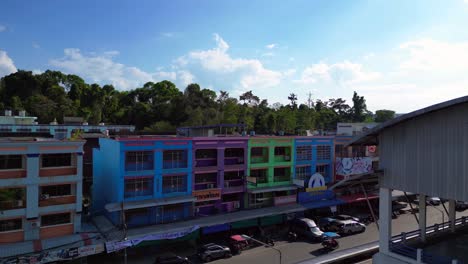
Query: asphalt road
{"points": [[300, 250]]}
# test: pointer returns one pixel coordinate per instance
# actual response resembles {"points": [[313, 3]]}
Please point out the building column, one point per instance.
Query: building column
{"points": [[32, 226], [422, 216], [385, 219], [452, 215]]}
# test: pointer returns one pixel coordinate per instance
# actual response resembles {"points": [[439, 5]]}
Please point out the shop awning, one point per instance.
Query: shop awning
{"points": [[244, 223], [323, 203], [273, 189], [271, 220], [114, 207], [215, 228]]}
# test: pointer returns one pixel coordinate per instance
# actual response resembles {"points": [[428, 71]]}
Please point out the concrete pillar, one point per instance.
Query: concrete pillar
{"points": [[419, 255], [452, 215], [32, 225], [422, 216], [385, 219]]}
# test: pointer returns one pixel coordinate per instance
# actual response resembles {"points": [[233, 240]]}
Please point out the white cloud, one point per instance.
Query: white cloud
{"points": [[185, 77], [342, 72], [268, 54], [37, 71], [165, 75], [35, 45], [3, 28], [289, 72], [101, 68], [250, 73], [168, 34], [271, 46], [6, 64]]}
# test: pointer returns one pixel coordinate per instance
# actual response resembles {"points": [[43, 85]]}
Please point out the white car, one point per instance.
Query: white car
{"points": [[350, 227], [434, 200]]}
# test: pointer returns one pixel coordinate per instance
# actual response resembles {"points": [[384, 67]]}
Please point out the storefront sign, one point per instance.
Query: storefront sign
{"points": [[207, 195], [352, 166], [282, 200]]}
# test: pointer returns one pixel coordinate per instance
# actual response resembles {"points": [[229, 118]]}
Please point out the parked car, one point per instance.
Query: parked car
{"points": [[306, 227], [344, 217], [213, 251], [171, 259], [461, 206], [397, 206], [434, 200], [350, 227], [326, 223], [237, 243]]}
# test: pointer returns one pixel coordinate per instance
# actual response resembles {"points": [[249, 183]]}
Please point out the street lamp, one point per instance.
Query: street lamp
{"points": [[265, 244]]}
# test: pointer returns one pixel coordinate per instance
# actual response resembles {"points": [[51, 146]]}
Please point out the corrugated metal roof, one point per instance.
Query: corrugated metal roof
{"points": [[370, 138]]}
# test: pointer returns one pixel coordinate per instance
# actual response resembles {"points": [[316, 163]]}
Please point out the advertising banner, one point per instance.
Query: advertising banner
{"points": [[353, 166], [207, 195]]}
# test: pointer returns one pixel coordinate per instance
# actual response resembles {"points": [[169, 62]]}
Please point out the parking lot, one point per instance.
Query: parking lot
{"points": [[291, 252]]}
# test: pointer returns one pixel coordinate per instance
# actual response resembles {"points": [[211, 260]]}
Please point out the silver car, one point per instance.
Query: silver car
{"points": [[350, 227]]}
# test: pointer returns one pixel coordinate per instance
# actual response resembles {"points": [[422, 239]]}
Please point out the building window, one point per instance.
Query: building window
{"points": [[303, 173], [139, 160], [282, 174], [176, 183], [323, 170], [55, 219], [260, 175], [11, 162], [323, 152], [174, 159], [56, 160], [280, 151], [138, 187], [206, 154], [55, 190], [304, 153], [12, 198], [11, 225], [258, 152]]}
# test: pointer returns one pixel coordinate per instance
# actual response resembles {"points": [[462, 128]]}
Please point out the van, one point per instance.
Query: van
{"points": [[306, 227]]}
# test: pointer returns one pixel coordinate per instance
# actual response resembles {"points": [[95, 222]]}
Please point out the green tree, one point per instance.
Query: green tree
{"points": [[384, 115]]}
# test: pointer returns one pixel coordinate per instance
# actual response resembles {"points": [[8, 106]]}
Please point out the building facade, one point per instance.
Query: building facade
{"points": [[270, 172], [40, 188], [219, 169], [143, 180]]}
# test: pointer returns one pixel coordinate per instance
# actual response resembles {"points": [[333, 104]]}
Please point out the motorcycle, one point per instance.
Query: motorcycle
{"points": [[330, 244], [292, 237]]}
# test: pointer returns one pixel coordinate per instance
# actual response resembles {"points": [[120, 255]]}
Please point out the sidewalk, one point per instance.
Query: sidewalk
{"points": [[112, 234], [88, 236]]}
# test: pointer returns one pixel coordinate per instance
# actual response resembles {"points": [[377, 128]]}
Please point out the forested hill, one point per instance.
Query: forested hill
{"points": [[161, 107]]}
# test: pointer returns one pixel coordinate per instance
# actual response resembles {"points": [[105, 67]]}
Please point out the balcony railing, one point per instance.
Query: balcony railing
{"points": [[233, 161], [282, 158], [12, 174], [207, 162], [174, 164], [12, 204], [177, 189], [69, 199], [281, 178], [258, 159], [46, 172], [129, 194]]}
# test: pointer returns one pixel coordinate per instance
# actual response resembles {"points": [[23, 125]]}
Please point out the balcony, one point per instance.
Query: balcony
{"points": [[12, 236], [259, 159], [281, 178], [282, 154], [206, 164], [12, 174], [138, 193], [233, 186], [174, 164], [12, 204], [47, 172], [234, 163], [139, 166], [68, 199]]}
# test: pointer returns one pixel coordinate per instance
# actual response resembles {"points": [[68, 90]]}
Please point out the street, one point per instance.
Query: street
{"points": [[300, 250]]}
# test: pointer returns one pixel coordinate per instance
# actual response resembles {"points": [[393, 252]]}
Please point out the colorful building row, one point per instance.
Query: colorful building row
{"points": [[153, 180]]}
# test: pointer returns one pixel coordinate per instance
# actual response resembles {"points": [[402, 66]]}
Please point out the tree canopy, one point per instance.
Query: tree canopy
{"points": [[161, 107]]}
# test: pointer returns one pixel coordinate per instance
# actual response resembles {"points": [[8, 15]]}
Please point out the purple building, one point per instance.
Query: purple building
{"points": [[219, 169]]}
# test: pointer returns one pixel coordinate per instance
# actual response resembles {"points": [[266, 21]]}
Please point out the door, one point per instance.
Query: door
{"points": [[159, 214]]}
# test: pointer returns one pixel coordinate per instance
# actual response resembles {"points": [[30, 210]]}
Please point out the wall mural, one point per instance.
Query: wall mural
{"points": [[352, 166]]}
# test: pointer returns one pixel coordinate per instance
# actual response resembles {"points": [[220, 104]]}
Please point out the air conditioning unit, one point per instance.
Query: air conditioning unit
{"points": [[236, 205], [44, 196], [211, 186]]}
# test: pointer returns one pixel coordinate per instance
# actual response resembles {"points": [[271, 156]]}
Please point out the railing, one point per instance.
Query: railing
{"points": [[282, 158], [206, 162], [12, 204], [259, 159], [130, 194], [281, 178], [397, 243], [139, 166], [233, 161], [176, 189], [174, 164]]}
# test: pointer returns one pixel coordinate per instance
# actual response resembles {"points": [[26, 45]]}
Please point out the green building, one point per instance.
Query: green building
{"points": [[270, 172]]}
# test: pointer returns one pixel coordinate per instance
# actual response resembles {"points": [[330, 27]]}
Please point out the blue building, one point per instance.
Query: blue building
{"points": [[313, 155], [143, 180]]}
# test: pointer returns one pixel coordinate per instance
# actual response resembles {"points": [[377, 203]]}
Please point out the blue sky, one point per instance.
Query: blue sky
{"points": [[400, 55]]}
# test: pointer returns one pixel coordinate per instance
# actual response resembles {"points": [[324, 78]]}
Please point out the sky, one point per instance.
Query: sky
{"points": [[400, 55]]}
